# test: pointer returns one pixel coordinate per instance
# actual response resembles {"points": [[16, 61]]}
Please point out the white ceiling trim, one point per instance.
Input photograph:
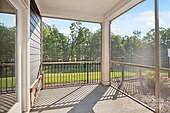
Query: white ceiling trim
{"points": [[121, 7]]}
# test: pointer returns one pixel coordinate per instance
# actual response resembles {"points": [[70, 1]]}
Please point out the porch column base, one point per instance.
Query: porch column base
{"points": [[105, 83]]}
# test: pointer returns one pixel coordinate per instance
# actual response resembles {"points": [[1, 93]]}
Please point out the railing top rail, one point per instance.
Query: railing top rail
{"points": [[133, 64], [7, 64], [76, 62], [139, 65], [165, 69]]}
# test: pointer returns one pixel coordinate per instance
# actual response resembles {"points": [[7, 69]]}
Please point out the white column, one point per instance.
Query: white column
{"points": [[25, 81], [21, 57], [26, 63], [105, 52]]}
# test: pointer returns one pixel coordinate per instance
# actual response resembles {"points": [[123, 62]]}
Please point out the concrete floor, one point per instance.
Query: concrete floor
{"points": [[85, 99]]}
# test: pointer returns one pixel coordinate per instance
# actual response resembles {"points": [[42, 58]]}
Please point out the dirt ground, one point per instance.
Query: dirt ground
{"points": [[150, 99]]}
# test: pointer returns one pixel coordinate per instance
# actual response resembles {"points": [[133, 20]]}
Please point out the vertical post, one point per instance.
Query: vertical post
{"points": [[157, 56], [123, 71], [141, 78], [105, 52], [87, 65], [25, 80], [41, 51], [1, 76], [168, 67], [6, 76]]}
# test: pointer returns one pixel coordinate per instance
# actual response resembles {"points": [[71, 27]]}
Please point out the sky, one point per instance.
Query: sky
{"points": [[8, 20], [139, 18], [63, 25]]}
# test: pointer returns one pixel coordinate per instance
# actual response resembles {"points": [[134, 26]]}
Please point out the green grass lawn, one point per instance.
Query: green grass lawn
{"points": [[51, 78], [70, 77], [126, 74], [7, 82]]}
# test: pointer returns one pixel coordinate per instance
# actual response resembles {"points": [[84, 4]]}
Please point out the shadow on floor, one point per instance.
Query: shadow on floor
{"points": [[82, 99], [86, 105], [85, 99], [7, 101]]}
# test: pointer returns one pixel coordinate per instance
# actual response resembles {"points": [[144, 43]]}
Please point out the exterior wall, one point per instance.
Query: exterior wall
{"points": [[35, 41]]}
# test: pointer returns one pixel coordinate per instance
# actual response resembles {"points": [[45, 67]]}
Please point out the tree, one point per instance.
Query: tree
{"points": [[79, 40], [95, 45], [149, 41], [133, 44], [126, 46], [118, 49], [55, 44], [7, 43]]}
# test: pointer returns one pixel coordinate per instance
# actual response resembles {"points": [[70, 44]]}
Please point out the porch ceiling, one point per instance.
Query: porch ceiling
{"points": [[88, 10], [6, 7]]}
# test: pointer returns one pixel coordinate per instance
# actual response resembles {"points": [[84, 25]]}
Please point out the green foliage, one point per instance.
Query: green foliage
{"points": [[55, 44], [150, 81], [140, 47], [80, 43], [7, 43]]}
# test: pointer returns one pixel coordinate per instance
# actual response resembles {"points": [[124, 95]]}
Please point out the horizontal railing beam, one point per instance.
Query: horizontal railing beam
{"points": [[139, 65], [77, 62], [7, 64], [133, 64]]}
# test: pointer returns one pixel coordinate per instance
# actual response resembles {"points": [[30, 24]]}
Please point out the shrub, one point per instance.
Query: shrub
{"points": [[150, 81]]}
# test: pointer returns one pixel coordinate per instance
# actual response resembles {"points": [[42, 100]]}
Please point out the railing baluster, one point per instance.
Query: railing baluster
{"points": [[62, 75], [71, 73], [77, 81], [84, 73], [87, 68], [51, 75], [48, 76], [1, 74], [90, 73], [90, 76], [12, 83], [6, 73], [94, 71], [55, 71], [78, 71]]}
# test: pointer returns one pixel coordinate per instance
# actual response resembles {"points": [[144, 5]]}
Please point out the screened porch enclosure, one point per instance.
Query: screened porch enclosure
{"points": [[84, 56], [127, 64]]}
